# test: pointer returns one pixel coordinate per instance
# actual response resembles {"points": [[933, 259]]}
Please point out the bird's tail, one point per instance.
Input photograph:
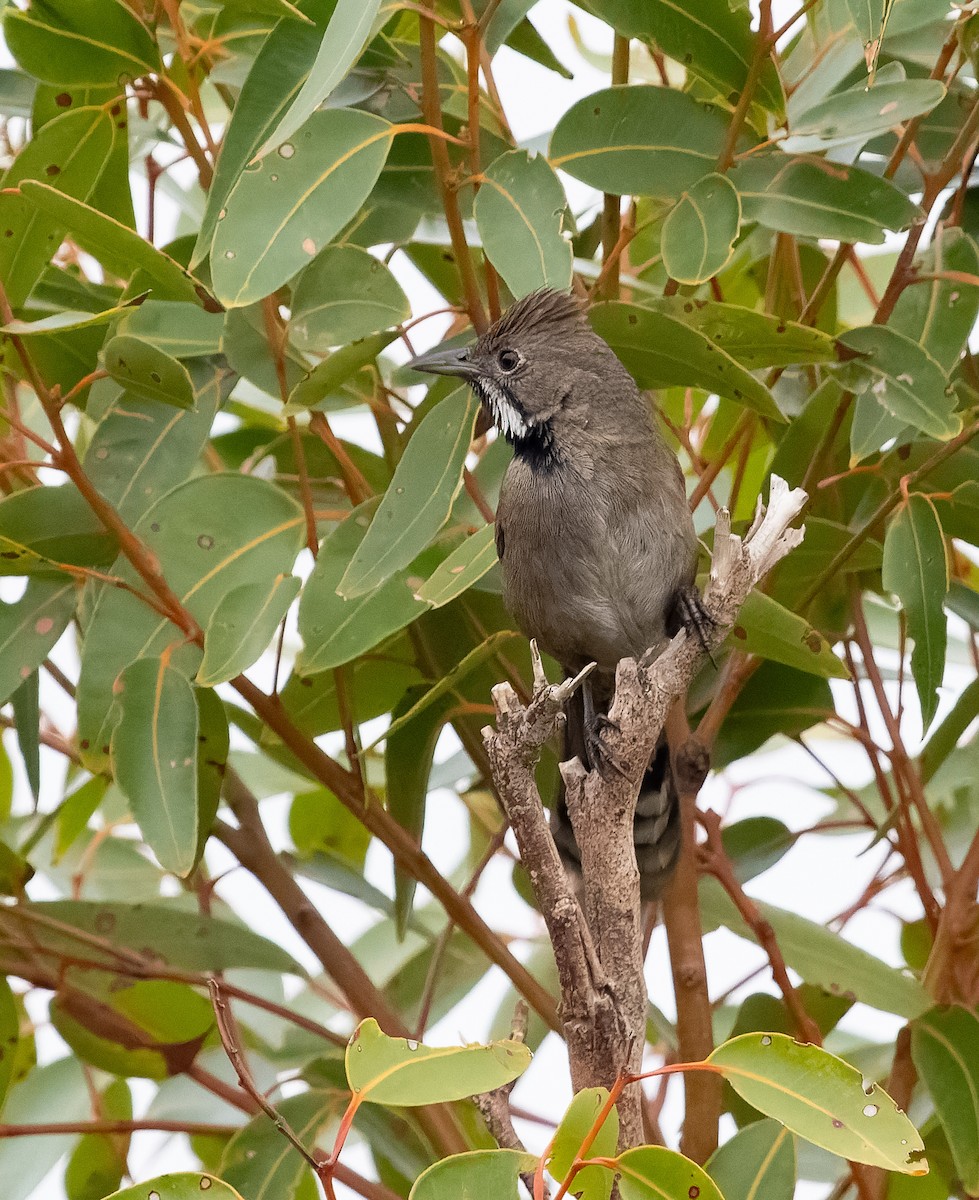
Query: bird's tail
{"points": [[656, 831]]}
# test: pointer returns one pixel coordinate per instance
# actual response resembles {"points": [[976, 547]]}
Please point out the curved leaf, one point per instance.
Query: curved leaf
{"points": [[591, 1183], [467, 564], [822, 1098], [519, 210], [943, 1046], [759, 1161], [154, 758], [389, 1070], [811, 197], [659, 351], [185, 1185], [148, 371], [643, 141], [344, 294], [419, 497], [241, 627], [29, 629], [699, 232], [916, 570], [478, 1173], [655, 1173], [348, 30]]}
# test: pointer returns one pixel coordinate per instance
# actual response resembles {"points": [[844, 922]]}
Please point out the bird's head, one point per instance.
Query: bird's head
{"points": [[532, 368]]}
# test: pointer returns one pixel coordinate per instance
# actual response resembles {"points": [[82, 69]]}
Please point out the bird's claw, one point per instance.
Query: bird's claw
{"points": [[601, 757], [695, 618]]}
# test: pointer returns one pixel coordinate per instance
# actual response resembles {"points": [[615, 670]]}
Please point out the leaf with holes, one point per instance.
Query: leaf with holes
{"points": [[902, 377], [185, 1185], [419, 497], [700, 230], [660, 351], [519, 211], [943, 1046], [822, 1098], [642, 141], [390, 1070], [770, 630], [759, 1161], [29, 629], [286, 207], [655, 1173], [147, 371], [754, 339], [916, 571], [343, 295], [242, 626], [154, 758], [279, 71]]}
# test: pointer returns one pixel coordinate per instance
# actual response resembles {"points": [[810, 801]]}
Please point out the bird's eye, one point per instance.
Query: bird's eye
{"points": [[509, 360]]}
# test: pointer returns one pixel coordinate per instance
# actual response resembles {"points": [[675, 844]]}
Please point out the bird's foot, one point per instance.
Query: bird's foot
{"points": [[601, 757], [695, 618]]}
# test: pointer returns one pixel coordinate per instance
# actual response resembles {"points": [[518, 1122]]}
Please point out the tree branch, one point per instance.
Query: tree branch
{"points": [[603, 993]]}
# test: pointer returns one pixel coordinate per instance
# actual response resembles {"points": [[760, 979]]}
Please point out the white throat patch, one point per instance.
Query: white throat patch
{"points": [[507, 419]]}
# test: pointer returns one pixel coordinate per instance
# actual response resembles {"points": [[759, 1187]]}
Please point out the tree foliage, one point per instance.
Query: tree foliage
{"points": [[223, 590]]}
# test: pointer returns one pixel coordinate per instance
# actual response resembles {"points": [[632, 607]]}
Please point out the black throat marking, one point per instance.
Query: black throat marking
{"points": [[532, 441]]}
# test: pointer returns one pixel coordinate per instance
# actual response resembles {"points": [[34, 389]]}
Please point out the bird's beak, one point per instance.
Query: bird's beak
{"points": [[445, 362]]}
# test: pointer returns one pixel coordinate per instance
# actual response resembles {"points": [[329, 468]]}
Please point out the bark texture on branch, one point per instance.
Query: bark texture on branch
{"points": [[599, 950]]}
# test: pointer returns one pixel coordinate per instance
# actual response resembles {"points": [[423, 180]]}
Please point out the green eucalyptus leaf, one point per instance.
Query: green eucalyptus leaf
{"points": [[286, 207], [344, 295], [916, 570], [419, 497], [467, 564], [641, 141], [519, 210], [334, 630], [822, 1098], [592, 1183], [348, 30], [388, 1070], [493, 1173], [29, 628], [81, 42], [758, 1161], [943, 1046], [660, 351], [653, 1172], [72, 149], [147, 371], [811, 197], [154, 758], [241, 627], [699, 232]]}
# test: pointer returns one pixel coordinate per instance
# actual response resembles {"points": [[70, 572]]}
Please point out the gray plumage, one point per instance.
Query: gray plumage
{"points": [[595, 539]]}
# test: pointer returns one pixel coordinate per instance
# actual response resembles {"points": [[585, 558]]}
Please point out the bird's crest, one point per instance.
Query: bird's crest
{"points": [[556, 312]]}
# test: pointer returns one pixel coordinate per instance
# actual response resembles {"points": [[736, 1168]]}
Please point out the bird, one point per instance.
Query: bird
{"points": [[594, 534]]}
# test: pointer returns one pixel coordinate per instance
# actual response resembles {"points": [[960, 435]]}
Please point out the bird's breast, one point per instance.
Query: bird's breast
{"points": [[589, 568]]}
